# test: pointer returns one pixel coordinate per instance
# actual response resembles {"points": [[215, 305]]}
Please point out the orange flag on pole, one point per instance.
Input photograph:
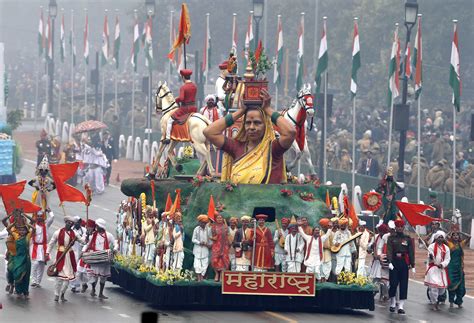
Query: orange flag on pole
{"points": [[184, 31], [10, 195], [169, 202], [177, 202], [66, 193], [211, 210], [328, 200]]}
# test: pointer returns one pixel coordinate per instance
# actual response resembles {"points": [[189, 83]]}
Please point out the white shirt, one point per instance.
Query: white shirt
{"points": [[100, 242], [363, 244], [201, 235], [276, 240], [312, 257], [340, 237]]}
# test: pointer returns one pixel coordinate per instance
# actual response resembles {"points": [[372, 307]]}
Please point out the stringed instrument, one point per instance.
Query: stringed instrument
{"points": [[335, 249], [52, 270], [281, 241]]}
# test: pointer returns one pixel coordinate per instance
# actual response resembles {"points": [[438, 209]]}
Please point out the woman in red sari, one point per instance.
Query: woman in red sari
{"points": [[220, 247]]}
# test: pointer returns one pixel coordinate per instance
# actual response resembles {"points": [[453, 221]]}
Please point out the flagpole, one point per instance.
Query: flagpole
{"points": [[325, 118], [116, 66], [133, 77], [353, 140], [61, 40], [454, 159], [35, 116], [102, 98], [287, 65], [418, 153], [72, 67], [234, 22], [85, 67], [206, 68], [171, 45], [390, 126]]}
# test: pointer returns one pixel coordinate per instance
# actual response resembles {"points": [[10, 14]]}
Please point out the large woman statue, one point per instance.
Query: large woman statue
{"points": [[19, 263], [220, 247], [255, 156]]}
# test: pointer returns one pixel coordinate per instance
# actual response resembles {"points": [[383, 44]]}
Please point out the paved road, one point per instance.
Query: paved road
{"points": [[122, 307]]}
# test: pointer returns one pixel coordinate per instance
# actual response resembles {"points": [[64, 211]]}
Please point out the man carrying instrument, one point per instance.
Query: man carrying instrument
{"points": [[101, 240], [65, 264], [401, 257], [344, 256], [186, 100], [231, 235], [242, 243], [279, 240], [294, 245], [163, 242]]}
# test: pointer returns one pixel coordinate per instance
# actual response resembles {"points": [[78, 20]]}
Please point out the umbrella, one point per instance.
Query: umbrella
{"points": [[89, 125]]}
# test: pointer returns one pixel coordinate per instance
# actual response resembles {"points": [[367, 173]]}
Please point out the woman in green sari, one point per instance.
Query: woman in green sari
{"points": [[19, 263], [456, 288]]}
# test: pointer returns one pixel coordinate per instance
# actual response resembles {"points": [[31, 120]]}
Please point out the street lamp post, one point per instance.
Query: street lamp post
{"points": [[53, 12], [411, 13], [257, 16], [150, 9]]}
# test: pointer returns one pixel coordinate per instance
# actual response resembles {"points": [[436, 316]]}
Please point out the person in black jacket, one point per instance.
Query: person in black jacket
{"points": [[369, 165], [108, 147]]}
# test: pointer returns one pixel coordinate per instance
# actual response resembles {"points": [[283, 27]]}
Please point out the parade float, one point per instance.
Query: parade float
{"points": [[195, 184]]}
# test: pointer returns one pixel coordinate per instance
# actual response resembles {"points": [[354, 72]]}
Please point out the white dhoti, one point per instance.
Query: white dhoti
{"points": [[280, 259], [343, 262], [200, 265], [177, 260], [316, 270], [37, 270], [326, 269], [99, 271], [293, 266], [149, 255], [361, 267]]}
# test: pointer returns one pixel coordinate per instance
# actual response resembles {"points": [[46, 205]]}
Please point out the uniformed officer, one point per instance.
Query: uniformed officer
{"points": [[401, 257], [108, 147], [186, 101], [43, 146]]}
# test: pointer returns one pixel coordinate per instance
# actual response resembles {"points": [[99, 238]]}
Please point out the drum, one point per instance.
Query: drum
{"points": [[98, 257]]}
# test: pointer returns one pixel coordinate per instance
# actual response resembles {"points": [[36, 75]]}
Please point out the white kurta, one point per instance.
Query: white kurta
{"points": [[38, 242], [376, 270], [101, 270], [220, 93], [201, 253], [344, 256], [363, 244], [280, 256], [312, 258], [435, 276], [294, 247], [67, 272]]}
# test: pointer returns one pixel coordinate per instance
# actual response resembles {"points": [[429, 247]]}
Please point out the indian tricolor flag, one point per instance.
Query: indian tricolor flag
{"points": [[299, 58], [207, 51], [249, 41], [86, 41], [62, 40], [394, 67], [148, 44], [355, 58], [279, 54], [135, 45], [117, 42], [105, 42], [49, 41], [72, 43], [41, 34], [418, 56], [454, 72], [322, 58]]}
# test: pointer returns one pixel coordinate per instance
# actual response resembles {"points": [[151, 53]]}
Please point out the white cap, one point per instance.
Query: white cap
{"points": [[438, 234], [77, 218], [391, 224], [362, 222], [404, 199], [100, 223], [68, 218]]}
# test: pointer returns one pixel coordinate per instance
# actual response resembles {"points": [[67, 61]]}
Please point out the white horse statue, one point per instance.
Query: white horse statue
{"points": [[301, 109], [166, 104]]}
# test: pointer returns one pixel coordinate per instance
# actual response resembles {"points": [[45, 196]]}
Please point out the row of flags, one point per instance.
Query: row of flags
{"points": [[410, 67]]}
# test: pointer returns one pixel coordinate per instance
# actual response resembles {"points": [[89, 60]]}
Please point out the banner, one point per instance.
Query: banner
{"points": [[268, 283]]}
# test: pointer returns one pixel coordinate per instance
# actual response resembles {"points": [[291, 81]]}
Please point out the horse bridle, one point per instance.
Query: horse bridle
{"points": [[303, 106], [157, 95]]}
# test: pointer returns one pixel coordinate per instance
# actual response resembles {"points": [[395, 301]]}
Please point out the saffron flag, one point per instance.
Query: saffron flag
{"points": [[211, 210], [10, 195], [184, 32], [328, 200], [61, 173], [418, 57], [176, 207], [413, 213], [454, 71], [322, 58], [169, 203]]}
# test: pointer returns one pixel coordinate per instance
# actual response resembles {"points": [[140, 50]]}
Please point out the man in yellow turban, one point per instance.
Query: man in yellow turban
{"points": [[255, 156], [344, 256]]}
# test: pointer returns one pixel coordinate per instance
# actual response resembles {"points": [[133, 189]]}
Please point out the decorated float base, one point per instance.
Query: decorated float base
{"points": [[207, 295]]}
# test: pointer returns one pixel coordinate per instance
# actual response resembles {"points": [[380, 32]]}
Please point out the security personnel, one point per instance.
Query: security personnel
{"points": [[186, 100], [44, 147], [401, 257]]}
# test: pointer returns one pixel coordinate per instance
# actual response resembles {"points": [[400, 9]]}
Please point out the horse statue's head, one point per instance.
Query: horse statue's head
{"points": [[305, 100], [164, 99]]}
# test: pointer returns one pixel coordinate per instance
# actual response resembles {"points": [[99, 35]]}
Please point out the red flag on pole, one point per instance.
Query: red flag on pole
{"points": [[413, 213], [10, 195], [184, 31], [169, 202], [66, 193]]}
